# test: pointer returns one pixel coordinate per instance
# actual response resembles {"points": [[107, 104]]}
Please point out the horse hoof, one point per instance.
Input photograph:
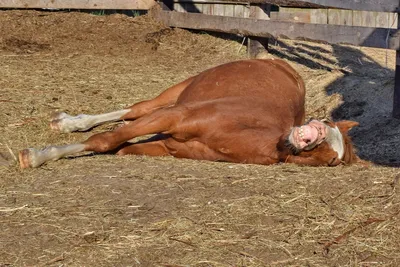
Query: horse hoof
{"points": [[24, 158], [59, 122], [58, 116], [55, 125]]}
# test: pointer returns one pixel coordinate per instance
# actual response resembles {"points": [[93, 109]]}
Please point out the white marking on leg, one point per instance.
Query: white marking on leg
{"points": [[38, 157], [83, 122]]}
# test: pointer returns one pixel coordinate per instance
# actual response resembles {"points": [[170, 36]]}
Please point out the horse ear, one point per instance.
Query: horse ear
{"points": [[346, 126]]}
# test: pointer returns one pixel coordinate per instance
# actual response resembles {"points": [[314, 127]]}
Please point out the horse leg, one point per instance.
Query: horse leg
{"points": [[167, 146], [154, 149], [65, 123], [160, 121]]}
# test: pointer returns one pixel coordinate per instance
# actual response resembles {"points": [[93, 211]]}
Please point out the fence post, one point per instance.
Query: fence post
{"points": [[396, 93], [256, 45]]}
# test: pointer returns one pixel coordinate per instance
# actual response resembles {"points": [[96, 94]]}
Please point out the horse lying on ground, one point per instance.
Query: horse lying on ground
{"points": [[249, 111]]}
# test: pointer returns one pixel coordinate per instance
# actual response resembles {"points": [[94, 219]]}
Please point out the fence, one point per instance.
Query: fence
{"points": [[371, 23], [292, 14]]}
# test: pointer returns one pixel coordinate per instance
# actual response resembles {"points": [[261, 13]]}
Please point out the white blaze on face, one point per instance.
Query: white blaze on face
{"points": [[335, 139]]}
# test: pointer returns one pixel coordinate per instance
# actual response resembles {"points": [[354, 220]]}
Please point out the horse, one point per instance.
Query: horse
{"points": [[248, 111]]}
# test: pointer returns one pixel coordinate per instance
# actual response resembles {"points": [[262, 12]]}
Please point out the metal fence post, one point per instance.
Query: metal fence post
{"points": [[396, 93]]}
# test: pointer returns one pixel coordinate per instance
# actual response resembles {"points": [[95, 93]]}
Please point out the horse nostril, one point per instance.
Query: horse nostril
{"points": [[307, 141]]}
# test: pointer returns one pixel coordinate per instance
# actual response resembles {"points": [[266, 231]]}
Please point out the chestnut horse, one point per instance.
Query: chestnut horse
{"points": [[249, 111]]}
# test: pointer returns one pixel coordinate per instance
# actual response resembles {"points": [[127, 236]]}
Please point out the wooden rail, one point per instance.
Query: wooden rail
{"points": [[378, 32], [365, 5], [293, 14], [337, 34]]}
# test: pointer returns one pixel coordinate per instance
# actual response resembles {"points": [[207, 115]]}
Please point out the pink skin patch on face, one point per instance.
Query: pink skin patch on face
{"points": [[309, 135]]}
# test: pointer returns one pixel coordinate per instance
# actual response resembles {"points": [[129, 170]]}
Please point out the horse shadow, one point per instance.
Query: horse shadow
{"points": [[367, 92]]}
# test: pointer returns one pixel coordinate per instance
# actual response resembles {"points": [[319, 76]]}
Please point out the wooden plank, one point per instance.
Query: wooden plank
{"points": [[218, 10], [382, 20], [304, 17], [340, 17], [368, 19], [393, 18], [357, 18], [366, 5], [79, 4], [229, 10], [363, 18], [346, 17], [246, 11], [319, 16], [336, 34], [207, 9], [334, 17], [239, 11]]}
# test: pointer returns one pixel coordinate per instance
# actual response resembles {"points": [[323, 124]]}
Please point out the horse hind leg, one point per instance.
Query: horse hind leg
{"points": [[65, 123], [32, 158], [161, 120], [153, 149]]}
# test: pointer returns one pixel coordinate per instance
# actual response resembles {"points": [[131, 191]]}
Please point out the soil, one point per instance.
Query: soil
{"points": [[103, 210]]}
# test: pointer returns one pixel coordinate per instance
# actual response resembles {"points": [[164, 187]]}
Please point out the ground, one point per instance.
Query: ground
{"points": [[103, 210]]}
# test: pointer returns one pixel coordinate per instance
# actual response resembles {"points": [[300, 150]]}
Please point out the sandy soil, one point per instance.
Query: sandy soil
{"points": [[102, 210]]}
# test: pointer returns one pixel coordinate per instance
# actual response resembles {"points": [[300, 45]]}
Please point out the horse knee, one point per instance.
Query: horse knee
{"points": [[102, 142]]}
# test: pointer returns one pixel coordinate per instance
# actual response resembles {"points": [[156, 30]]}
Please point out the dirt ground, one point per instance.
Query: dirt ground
{"points": [[102, 210]]}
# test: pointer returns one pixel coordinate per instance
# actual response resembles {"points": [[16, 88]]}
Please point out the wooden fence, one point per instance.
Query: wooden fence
{"points": [[292, 14], [370, 23]]}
